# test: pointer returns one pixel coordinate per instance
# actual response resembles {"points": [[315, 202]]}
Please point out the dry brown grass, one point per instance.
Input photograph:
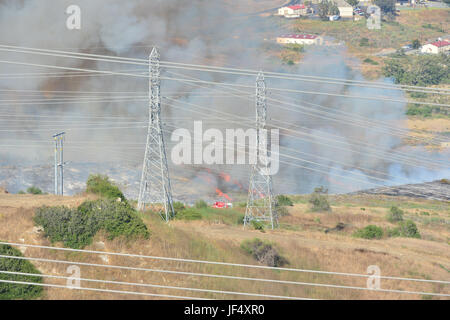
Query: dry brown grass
{"points": [[306, 247]]}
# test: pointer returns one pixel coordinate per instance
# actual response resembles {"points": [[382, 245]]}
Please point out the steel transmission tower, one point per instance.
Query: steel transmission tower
{"points": [[261, 204], [59, 163], [155, 189]]}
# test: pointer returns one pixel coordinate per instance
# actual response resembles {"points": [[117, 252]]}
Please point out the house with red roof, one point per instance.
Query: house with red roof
{"points": [[305, 39], [293, 11], [436, 47]]}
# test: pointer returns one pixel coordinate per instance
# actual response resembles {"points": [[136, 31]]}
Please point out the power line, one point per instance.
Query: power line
{"points": [[235, 71], [100, 290], [252, 266], [158, 286], [232, 84], [221, 276]]}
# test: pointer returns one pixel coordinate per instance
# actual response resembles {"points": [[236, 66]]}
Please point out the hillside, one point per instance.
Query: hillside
{"points": [[308, 240]]}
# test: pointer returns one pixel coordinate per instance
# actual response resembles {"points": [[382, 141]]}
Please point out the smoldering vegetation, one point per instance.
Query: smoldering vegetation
{"points": [[340, 143]]}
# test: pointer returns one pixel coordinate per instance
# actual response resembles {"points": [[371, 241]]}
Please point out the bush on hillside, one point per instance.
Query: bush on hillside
{"points": [[34, 190], [370, 61], [422, 70], [101, 185], [319, 200], [116, 218], [283, 200], [264, 252], [364, 42], [77, 227], [13, 291], [369, 232], [178, 206], [395, 214], [407, 229], [257, 225]]}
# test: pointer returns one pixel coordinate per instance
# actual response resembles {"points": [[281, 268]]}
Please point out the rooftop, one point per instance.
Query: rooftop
{"points": [[297, 6], [441, 44], [299, 36]]}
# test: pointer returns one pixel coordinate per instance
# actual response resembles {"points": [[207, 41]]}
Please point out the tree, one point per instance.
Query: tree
{"points": [[416, 43], [354, 3], [327, 8], [323, 9], [387, 7], [319, 200], [333, 10], [447, 2]]}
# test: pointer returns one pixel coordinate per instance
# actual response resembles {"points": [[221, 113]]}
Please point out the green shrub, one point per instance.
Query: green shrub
{"points": [[34, 190], [178, 206], [21, 192], [77, 227], [296, 47], [319, 200], [407, 229], [419, 110], [67, 225], [369, 232], [370, 61], [395, 214], [12, 291], [419, 70], [264, 252], [101, 185], [199, 204], [283, 200], [188, 214], [364, 42], [257, 225], [117, 219]]}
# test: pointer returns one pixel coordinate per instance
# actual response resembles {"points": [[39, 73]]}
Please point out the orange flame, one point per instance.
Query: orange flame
{"points": [[221, 194], [225, 176]]}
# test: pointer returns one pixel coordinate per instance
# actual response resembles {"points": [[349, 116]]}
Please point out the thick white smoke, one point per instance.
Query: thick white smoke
{"points": [[205, 32]]}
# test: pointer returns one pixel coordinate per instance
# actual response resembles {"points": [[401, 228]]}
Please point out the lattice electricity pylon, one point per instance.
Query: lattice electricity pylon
{"points": [[155, 189], [261, 205], [59, 163]]}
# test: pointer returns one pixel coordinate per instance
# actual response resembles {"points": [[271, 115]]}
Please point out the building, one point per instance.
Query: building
{"points": [[294, 11], [306, 39], [436, 47], [345, 10]]}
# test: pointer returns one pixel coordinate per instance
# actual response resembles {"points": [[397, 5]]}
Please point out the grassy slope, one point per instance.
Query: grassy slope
{"points": [[409, 25], [301, 239]]}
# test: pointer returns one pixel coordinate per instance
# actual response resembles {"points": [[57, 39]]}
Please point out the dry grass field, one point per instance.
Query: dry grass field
{"points": [[301, 238]]}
